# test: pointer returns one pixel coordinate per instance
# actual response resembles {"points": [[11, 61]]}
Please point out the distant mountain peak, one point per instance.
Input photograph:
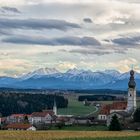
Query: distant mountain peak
{"points": [[74, 71], [47, 71], [40, 72]]}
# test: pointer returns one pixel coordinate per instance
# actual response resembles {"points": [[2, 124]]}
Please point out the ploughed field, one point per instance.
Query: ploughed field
{"points": [[69, 135]]}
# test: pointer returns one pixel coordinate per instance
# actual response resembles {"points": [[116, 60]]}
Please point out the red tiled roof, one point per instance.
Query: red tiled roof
{"points": [[105, 109], [42, 114], [18, 126], [20, 115], [119, 105], [114, 106]]}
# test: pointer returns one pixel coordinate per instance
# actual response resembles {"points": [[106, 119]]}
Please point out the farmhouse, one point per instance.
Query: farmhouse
{"points": [[20, 126], [122, 109]]}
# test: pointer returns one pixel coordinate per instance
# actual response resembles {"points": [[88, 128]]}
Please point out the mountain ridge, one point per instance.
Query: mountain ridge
{"points": [[51, 78]]}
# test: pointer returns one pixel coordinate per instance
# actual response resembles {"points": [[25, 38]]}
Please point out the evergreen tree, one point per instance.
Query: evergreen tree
{"points": [[115, 124], [26, 119], [136, 116]]}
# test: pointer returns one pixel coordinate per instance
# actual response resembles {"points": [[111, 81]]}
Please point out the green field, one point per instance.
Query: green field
{"points": [[76, 108]]}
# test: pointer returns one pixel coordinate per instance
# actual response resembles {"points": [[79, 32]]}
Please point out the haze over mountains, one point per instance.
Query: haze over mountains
{"points": [[51, 78]]}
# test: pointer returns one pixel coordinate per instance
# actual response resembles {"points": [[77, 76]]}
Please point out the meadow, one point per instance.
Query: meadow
{"points": [[68, 135], [76, 108]]}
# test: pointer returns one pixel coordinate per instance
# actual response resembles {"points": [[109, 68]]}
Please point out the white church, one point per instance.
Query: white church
{"points": [[123, 109]]}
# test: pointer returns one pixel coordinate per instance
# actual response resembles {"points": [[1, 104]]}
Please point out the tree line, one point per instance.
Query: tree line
{"points": [[99, 98]]}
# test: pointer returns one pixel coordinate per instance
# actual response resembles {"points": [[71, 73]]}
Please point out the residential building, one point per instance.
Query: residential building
{"points": [[20, 126], [16, 118], [42, 117]]}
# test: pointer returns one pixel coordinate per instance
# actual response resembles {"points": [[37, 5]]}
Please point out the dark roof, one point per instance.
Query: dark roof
{"points": [[122, 113]]}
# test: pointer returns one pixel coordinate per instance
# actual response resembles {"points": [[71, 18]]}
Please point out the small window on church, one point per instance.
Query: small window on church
{"points": [[130, 95]]}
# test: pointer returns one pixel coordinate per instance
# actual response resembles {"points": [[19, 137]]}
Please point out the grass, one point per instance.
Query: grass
{"points": [[68, 135], [82, 128], [76, 108]]}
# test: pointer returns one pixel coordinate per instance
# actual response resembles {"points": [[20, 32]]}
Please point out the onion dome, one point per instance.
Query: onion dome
{"points": [[132, 83]]}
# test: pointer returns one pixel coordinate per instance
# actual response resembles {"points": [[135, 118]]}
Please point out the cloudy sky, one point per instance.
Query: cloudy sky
{"points": [[83, 34]]}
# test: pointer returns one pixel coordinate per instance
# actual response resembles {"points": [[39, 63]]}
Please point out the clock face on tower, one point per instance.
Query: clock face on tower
{"points": [[131, 93], [131, 89]]}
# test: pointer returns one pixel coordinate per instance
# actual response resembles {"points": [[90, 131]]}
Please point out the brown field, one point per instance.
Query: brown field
{"points": [[51, 135]]}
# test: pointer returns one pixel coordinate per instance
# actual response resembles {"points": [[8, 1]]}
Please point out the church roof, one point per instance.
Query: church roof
{"points": [[105, 109], [119, 105]]}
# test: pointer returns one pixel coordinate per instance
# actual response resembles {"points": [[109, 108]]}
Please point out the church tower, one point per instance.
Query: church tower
{"points": [[55, 107], [131, 101]]}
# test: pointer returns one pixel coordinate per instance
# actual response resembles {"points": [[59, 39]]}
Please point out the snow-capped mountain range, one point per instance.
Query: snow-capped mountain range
{"points": [[51, 78]]}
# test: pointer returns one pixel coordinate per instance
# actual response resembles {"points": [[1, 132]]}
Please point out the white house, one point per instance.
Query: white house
{"points": [[42, 117]]}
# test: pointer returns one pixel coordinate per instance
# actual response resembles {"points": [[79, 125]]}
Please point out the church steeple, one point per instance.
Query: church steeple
{"points": [[131, 101], [55, 107]]}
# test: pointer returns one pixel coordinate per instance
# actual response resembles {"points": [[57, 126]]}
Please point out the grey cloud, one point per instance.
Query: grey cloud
{"points": [[9, 9], [87, 20], [129, 1], [74, 41], [106, 40], [127, 41], [37, 24], [98, 52]]}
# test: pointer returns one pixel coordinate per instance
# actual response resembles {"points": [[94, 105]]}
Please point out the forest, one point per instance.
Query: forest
{"points": [[27, 103]]}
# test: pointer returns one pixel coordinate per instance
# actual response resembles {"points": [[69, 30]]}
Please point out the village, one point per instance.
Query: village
{"points": [[124, 110]]}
